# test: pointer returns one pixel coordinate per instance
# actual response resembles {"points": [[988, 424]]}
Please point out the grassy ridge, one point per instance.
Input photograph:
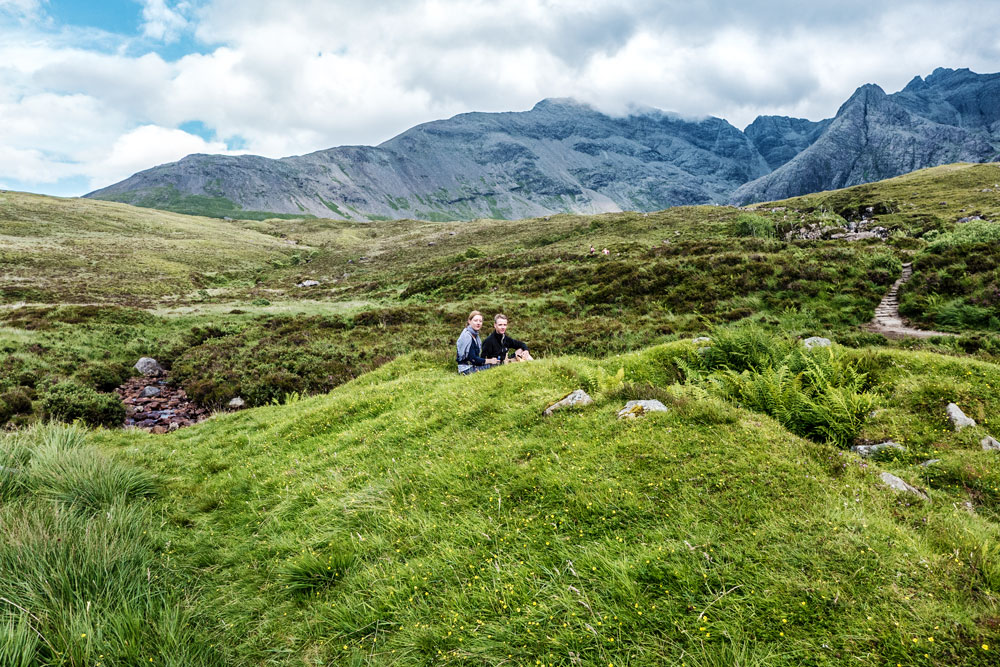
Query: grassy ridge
{"points": [[416, 517]]}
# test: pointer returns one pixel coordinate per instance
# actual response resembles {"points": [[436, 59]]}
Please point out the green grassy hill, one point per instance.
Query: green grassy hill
{"points": [[417, 517], [406, 515]]}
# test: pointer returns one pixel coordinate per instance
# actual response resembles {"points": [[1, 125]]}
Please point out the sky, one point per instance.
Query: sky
{"points": [[94, 91]]}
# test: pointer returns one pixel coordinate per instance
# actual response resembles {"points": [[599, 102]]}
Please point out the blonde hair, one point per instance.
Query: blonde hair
{"points": [[473, 314], [500, 316]]}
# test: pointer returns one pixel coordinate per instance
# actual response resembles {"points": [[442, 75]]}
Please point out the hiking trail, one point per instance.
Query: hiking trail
{"points": [[887, 320]]}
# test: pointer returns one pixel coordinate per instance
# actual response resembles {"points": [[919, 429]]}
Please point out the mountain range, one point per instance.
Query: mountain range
{"points": [[564, 156]]}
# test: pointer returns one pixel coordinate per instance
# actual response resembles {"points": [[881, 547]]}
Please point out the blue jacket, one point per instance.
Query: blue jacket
{"points": [[468, 348]]}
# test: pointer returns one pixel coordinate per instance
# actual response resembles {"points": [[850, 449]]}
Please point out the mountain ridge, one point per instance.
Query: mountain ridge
{"points": [[563, 155]]}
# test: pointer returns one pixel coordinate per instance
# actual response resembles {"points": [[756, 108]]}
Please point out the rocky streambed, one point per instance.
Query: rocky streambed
{"points": [[153, 404]]}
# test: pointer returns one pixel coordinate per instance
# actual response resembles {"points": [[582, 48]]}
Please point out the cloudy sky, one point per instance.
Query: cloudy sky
{"points": [[92, 91]]}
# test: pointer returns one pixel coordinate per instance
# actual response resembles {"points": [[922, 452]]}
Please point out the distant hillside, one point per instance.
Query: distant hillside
{"points": [[560, 156], [563, 156]]}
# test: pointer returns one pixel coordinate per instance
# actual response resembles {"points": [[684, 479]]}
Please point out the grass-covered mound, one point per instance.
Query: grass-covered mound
{"points": [[413, 516]]}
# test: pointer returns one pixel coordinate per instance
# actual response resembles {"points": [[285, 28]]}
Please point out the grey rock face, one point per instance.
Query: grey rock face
{"points": [[561, 156], [872, 450], [780, 138], [958, 418], [577, 397], [896, 484], [236, 403], [149, 367], [149, 392], [816, 341], [990, 443], [635, 409], [946, 118]]}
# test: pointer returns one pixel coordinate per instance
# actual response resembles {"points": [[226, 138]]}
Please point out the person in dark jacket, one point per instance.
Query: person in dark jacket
{"points": [[468, 348], [498, 344]]}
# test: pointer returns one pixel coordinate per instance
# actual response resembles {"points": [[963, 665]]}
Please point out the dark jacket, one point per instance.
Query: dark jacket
{"points": [[499, 346]]}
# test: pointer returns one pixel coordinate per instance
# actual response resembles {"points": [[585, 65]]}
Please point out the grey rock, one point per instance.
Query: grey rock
{"points": [[576, 397], [307, 283], [958, 418], [816, 341], [990, 443], [951, 116], [236, 403], [149, 367], [780, 138], [149, 392], [635, 409], [701, 339], [929, 462], [896, 484], [871, 450]]}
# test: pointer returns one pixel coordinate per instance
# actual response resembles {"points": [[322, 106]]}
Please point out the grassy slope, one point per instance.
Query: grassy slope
{"points": [[956, 282], [416, 517], [76, 250]]}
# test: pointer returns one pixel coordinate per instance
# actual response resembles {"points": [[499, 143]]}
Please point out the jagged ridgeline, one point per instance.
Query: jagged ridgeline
{"points": [[562, 156]]}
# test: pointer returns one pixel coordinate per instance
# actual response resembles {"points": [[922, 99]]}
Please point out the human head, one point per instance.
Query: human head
{"points": [[500, 323], [475, 320]]}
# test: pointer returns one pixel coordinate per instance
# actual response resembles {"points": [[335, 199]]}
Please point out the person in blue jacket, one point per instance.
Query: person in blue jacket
{"points": [[469, 347]]}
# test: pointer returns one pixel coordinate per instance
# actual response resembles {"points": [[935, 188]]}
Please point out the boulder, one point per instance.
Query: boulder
{"points": [[816, 341], [635, 409], [149, 367], [990, 443], [307, 283], [872, 450], [578, 397], [896, 484], [929, 462], [149, 392], [236, 403], [958, 418], [701, 339]]}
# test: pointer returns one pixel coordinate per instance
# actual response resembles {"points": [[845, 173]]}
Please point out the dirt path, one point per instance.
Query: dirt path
{"points": [[888, 321]]}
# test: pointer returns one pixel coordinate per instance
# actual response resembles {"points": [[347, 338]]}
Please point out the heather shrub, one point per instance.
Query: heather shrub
{"points": [[69, 401]]}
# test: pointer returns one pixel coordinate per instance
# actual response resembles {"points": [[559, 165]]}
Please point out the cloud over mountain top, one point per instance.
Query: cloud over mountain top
{"points": [[279, 79]]}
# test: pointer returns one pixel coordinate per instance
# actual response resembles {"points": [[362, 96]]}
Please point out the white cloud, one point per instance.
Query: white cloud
{"points": [[147, 146], [160, 22], [288, 78], [20, 8]]}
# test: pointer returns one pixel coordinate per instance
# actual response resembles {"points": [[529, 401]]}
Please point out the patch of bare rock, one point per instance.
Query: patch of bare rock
{"points": [[154, 405]]}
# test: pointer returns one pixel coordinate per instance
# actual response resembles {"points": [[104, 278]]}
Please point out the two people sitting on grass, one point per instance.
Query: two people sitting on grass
{"points": [[474, 355]]}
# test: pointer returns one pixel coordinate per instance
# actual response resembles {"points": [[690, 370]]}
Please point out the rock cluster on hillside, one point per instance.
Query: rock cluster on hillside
{"points": [[154, 405]]}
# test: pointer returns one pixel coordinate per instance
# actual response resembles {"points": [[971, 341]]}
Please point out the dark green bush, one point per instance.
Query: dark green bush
{"points": [[104, 376], [5, 412], [18, 400], [69, 401]]}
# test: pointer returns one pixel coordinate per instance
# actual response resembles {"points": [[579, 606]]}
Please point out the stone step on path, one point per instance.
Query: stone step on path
{"points": [[889, 322]]}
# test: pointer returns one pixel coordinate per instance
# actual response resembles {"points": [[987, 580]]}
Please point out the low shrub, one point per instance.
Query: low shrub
{"points": [[69, 401], [18, 399], [750, 224], [104, 376]]}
